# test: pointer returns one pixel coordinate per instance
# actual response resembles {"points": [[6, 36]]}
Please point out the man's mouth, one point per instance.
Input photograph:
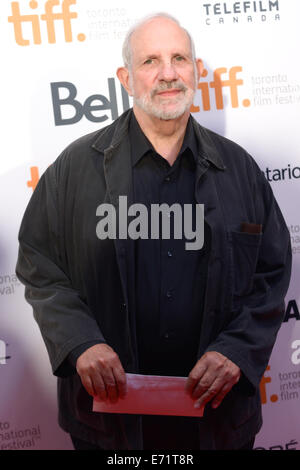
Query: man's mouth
{"points": [[169, 93]]}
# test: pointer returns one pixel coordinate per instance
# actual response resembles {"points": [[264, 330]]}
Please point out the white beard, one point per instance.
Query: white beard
{"points": [[182, 102]]}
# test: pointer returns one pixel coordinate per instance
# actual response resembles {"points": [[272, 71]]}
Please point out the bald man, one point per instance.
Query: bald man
{"points": [[107, 307]]}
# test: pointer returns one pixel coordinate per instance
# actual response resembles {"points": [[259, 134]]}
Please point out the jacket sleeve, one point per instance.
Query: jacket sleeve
{"points": [[64, 319], [249, 336]]}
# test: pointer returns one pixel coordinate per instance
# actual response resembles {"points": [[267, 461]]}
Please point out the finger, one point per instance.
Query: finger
{"points": [[208, 395], [88, 385], [208, 379], [194, 376], [224, 390], [120, 379], [216, 378], [99, 386], [221, 395], [110, 385]]}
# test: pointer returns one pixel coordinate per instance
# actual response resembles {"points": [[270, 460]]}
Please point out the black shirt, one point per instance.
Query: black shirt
{"points": [[170, 280]]}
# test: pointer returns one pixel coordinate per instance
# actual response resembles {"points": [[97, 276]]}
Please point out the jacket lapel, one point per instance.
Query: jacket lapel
{"points": [[209, 167], [118, 176], [115, 147]]}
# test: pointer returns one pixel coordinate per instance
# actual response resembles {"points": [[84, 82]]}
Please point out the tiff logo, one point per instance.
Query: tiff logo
{"points": [[50, 17], [231, 81], [263, 389]]}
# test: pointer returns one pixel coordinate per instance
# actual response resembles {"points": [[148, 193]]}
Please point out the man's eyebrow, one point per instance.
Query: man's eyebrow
{"points": [[184, 54], [180, 53], [150, 56], [174, 54]]}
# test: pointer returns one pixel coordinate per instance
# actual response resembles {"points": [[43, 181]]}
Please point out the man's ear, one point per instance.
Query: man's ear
{"points": [[123, 76], [200, 67]]}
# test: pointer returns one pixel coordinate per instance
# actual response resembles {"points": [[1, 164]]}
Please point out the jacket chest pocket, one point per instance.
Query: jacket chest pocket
{"points": [[244, 256]]}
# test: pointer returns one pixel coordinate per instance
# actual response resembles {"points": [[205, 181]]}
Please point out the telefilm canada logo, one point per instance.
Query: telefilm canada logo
{"points": [[243, 12], [48, 20]]}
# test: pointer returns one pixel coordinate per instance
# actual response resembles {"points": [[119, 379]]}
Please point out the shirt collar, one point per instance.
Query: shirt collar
{"points": [[109, 139], [141, 145]]}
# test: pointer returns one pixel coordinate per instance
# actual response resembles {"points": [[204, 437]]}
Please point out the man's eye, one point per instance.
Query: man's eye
{"points": [[148, 61], [179, 58]]}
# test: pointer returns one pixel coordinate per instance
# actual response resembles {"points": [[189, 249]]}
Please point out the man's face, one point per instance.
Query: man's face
{"points": [[163, 76]]}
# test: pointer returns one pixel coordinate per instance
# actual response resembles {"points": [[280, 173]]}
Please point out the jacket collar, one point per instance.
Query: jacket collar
{"points": [[111, 136], [207, 149]]}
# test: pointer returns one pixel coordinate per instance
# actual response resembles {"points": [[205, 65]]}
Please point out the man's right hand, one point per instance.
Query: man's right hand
{"points": [[102, 373]]}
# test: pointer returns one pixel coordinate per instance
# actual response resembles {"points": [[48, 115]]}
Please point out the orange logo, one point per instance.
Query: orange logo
{"points": [[50, 18], [263, 389], [217, 84], [34, 172]]}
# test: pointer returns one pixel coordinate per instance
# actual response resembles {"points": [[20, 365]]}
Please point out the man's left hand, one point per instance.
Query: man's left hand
{"points": [[211, 379]]}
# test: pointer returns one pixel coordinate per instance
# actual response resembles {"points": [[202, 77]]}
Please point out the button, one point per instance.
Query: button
{"points": [[170, 254], [167, 178], [169, 294], [169, 335]]}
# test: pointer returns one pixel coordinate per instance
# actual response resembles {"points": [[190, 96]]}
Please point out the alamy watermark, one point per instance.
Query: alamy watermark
{"points": [[161, 217]]}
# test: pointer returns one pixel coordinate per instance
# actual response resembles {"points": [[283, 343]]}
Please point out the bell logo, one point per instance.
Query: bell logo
{"points": [[217, 84], [49, 17]]}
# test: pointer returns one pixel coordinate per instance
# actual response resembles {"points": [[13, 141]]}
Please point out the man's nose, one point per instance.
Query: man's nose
{"points": [[167, 71]]}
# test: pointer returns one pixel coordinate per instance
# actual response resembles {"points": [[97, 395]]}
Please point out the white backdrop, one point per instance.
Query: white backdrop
{"points": [[53, 65]]}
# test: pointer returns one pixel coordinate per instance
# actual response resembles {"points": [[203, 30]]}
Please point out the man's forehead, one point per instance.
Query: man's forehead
{"points": [[157, 35]]}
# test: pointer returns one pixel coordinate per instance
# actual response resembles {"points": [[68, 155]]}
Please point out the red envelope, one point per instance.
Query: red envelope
{"points": [[154, 395]]}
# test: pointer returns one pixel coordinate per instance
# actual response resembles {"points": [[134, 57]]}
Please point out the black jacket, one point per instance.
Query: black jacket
{"points": [[80, 286]]}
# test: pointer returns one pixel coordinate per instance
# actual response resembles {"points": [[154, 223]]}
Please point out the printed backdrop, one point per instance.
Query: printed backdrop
{"points": [[58, 82]]}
